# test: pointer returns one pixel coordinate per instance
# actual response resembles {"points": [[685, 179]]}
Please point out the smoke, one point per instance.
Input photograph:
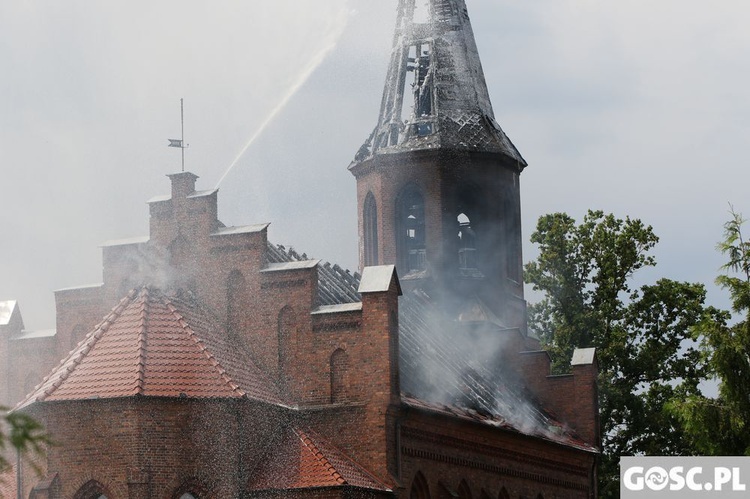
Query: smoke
{"points": [[455, 364]]}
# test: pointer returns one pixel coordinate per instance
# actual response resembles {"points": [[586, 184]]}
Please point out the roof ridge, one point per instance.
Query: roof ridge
{"points": [[310, 445], [204, 349], [141, 366], [74, 358]]}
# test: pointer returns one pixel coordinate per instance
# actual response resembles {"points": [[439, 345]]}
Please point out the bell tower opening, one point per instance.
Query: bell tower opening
{"points": [[412, 253]]}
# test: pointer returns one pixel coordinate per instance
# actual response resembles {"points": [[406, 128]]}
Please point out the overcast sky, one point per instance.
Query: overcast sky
{"points": [[637, 108]]}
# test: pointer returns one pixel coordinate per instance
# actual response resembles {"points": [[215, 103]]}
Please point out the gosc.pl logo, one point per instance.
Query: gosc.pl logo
{"points": [[643, 477]]}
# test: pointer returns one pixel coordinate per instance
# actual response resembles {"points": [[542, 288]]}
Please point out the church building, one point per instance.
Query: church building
{"points": [[213, 363]]}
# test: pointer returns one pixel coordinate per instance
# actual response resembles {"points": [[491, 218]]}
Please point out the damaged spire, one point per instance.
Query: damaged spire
{"points": [[435, 94]]}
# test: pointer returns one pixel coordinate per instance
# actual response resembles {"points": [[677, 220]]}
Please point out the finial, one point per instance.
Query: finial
{"points": [[181, 141]]}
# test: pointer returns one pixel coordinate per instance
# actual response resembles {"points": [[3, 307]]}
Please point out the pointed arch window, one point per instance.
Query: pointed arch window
{"points": [[339, 368], [464, 492], [419, 488], [285, 326], [237, 296], [467, 246], [92, 490], [411, 230], [370, 226]]}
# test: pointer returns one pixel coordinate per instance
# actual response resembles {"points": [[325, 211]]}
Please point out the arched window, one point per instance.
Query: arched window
{"points": [[503, 494], [467, 258], [419, 488], [464, 492], [339, 368], [237, 296], [190, 489], [370, 226], [92, 490], [410, 226], [285, 325]]}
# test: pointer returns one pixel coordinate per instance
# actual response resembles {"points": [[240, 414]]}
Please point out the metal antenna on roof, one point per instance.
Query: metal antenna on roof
{"points": [[181, 141]]}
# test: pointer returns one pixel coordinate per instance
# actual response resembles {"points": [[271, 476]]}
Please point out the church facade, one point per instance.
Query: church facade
{"points": [[212, 363]]}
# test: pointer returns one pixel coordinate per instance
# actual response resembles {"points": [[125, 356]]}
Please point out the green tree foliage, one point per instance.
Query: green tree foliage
{"points": [[721, 425], [644, 337], [20, 432]]}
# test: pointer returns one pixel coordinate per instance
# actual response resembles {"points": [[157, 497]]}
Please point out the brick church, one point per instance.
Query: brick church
{"points": [[212, 363]]}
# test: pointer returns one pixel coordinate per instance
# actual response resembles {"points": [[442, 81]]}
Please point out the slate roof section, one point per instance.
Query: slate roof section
{"points": [[156, 345], [336, 285], [447, 80], [558, 436], [441, 369], [303, 460]]}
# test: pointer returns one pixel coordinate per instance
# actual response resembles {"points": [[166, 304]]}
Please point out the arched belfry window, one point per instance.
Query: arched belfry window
{"points": [[503, 494], [467, 247], [419, 488], [370, 226], [411, 230], [285, 326]]}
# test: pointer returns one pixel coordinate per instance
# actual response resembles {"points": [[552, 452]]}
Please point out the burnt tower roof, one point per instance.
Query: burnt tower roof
{"points": [[435, 93]]}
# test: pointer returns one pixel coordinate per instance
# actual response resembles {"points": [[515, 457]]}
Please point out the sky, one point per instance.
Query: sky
{"points": [[637, 108]]}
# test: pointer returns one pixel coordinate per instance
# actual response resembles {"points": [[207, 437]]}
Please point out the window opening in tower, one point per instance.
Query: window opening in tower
{"points": [[412, 252], [420, 78], [443, 10], [467, 249]]}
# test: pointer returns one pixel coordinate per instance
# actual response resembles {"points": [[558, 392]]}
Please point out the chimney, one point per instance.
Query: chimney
{"points": [[183, 184]]}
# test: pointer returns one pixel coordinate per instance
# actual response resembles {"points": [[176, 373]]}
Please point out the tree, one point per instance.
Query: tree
{"points": [[644, 337], [21, 433], [721, 425]]}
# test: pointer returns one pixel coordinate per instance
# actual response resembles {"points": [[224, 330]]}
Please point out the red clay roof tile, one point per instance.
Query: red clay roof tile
{"points": [[304, 460], [159, 346]]}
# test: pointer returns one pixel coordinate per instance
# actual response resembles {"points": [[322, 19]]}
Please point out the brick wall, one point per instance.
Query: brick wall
{"points": [[449, 452], [140, 447]]}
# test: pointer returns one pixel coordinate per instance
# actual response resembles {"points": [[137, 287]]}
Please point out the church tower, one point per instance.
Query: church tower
{"points": [[438, 179]]}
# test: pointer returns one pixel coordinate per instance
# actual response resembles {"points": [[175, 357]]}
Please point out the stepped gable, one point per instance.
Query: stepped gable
{"points": [[437, 375], [304, 459], [155, 345], [336, 285]]}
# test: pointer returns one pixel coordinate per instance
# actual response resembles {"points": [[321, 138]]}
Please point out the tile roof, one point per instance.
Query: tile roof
{"points": [[156, 345], [304, 459]]}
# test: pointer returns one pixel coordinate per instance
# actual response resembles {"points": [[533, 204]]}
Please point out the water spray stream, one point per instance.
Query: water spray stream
{"points": [[330, 43]]}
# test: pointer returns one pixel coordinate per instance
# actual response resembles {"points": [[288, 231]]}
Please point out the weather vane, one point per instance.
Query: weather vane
{"points": [[181, 141]]}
